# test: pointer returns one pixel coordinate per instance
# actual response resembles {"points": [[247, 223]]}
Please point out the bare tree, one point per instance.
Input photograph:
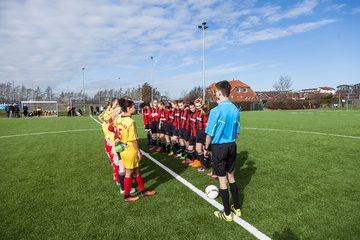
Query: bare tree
{"points": [[284, 84]]}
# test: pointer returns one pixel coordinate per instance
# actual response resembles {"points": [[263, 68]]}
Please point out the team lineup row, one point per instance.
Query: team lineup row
{"points": [[121, 145], [178, 130]]}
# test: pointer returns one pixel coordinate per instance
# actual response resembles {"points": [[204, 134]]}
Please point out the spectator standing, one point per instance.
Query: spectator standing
{"points": [[25, 110], [38, 111], [68, 110]]}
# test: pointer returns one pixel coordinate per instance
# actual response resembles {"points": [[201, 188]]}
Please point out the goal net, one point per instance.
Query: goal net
{"points": [[40, 108]]}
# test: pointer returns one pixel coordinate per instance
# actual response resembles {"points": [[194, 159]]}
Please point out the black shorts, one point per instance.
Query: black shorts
{"points": [[147, 127], [161, 127], [200, 136], [154, 126], [175, 132], [192, 140], [223, 158], [168, 129], [185, 134]]}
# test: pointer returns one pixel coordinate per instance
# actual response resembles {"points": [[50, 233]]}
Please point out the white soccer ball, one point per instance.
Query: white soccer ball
{"points": [[212, 191]]}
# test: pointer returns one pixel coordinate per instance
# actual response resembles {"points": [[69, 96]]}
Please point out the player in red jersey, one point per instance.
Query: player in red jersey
{"points": [[146, 112], [191, 125], [184, 134], [168, 127], [154, 123], [175, 128], [201, 120], [163, 115]]}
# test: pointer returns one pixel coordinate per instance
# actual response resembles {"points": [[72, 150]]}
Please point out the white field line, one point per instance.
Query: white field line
{"points": [[304, 132], [251, 229], [42, 133]]}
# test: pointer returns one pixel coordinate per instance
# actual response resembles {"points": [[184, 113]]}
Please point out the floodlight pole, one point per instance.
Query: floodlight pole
{"points": [[83, 71], [203, 27], [152, 78]]}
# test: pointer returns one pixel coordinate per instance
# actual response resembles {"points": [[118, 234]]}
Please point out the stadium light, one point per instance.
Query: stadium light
{"points": [[203, 27], [83, 71], [152, 80]]}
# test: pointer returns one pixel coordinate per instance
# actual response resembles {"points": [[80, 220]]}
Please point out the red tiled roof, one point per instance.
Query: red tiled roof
{"points": [[248, 96]]}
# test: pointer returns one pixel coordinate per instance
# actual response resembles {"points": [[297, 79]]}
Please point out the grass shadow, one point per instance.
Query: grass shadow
{"points": [[152, 173], [286, 234], [244, 170]]}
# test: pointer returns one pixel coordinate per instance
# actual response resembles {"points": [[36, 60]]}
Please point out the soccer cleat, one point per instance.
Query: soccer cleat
{"points": [[214, 176], [131, 191], [223, 216], [202, 169], [210, 174], [151, 148], [158, 149], [187, 161], [182, 157], [131, 199], [196, 164], [148, 193], [171, 153], [237, 212]]}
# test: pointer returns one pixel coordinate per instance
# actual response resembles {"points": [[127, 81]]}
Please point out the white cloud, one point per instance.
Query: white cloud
{"points": [[335, 7], [248, 37], [304, 8], [355, 11], [250, 22], [48, 41]]}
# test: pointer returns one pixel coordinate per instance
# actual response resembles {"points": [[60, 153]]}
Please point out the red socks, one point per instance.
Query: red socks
{"points": [[116, 173], [127, 186], [140, 183]]}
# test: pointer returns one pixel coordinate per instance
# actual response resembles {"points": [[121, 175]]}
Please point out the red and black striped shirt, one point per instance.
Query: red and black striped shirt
{"points": [[193, 116], [185, 119], [201, 120], [146, 115], [154, 115], [176, 121], [163, 115], [171, 116]]}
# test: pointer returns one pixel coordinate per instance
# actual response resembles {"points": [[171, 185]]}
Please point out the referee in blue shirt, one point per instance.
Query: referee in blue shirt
{"points": [[222, 129]]}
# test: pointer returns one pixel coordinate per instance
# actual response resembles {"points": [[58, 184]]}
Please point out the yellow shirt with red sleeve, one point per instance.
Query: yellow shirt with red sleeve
{"points": [[127, 134], [105, 118]]}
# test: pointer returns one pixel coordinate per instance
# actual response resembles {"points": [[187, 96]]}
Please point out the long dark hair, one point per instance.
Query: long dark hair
{"points": [[124, 104]]}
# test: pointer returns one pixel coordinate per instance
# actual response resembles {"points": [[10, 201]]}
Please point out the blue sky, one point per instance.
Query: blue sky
{"points": [[315, 42]]}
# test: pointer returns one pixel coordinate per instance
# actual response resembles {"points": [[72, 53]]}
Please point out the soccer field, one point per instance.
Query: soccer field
{"points": [[297, 171]]}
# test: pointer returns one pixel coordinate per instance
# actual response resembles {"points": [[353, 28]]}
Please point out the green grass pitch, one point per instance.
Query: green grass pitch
{"points": [[293, 185]]}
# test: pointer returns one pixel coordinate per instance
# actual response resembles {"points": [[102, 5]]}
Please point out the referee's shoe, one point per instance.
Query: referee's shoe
{"points": [[223, 216]]}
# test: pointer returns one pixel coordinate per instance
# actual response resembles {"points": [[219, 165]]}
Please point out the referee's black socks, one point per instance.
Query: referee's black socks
{"points": [[224, 193], [235, 195]]}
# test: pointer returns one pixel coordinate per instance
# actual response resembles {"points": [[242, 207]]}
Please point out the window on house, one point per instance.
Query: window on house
{"points": [[238, 89], [245, 89]]}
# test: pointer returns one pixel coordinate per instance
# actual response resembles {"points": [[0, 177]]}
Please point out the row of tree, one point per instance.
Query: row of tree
{"points": [[145, 92], [11, 93]]}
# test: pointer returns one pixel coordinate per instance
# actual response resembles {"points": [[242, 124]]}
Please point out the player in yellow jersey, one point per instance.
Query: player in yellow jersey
{"points": [[103, 117], [131, 154], [119, 169]]}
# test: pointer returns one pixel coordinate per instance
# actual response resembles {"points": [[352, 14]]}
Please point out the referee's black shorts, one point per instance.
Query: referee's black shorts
{"points": [[223, 157]]}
